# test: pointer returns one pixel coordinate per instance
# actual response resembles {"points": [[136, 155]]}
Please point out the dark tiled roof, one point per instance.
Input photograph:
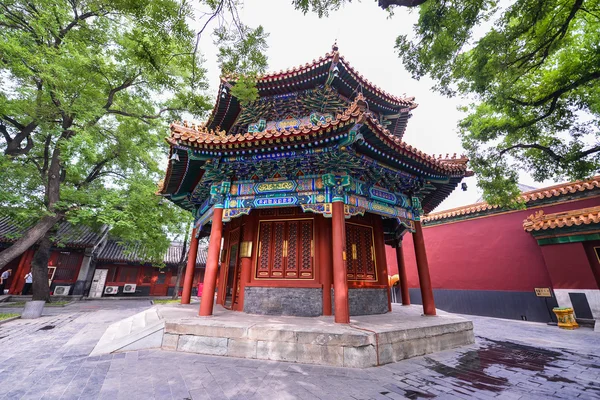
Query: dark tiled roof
{"points": [[114, 251], [68, 235]]}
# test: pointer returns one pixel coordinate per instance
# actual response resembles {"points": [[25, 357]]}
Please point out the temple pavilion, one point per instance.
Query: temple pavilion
{"points": [[301, 190]]}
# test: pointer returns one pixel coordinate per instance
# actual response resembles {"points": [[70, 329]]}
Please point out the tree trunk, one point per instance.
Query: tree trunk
{"points": [[39, 268], [178, 281], [32, 236]]}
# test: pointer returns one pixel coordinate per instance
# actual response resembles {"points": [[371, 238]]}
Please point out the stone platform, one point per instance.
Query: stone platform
{"points": [[367, 341]]}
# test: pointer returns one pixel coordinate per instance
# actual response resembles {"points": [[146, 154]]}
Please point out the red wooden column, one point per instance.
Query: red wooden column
{"points": [[402, 274], [423, 270], [212, 263], [325, 261], [186, 293], [246, 262], [340, 283]]}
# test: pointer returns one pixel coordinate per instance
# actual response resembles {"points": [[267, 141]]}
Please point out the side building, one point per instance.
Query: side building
{"points": [[70, 257], [82, 259], [486, 260], [124, 271]]}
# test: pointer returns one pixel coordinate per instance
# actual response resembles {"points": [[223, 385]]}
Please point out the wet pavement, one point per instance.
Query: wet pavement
{"points": [[47, 358]]}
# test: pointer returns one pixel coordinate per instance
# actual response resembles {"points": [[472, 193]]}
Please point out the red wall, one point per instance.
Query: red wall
{"points": [[488, 253], [590, 249], [569, 266]]}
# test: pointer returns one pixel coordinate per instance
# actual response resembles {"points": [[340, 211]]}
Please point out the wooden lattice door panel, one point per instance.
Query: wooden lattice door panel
{"points": [[238, 274], [360, 253], [291, 252], [285, 250], [264, 249], [231, 276]]}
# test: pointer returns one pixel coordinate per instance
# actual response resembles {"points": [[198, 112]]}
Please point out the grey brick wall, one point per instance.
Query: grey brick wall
{"points": [[365, 301], [302, 302]]}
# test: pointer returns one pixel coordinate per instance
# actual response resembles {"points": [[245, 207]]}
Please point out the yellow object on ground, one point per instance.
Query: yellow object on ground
{"points": [[566, 319]]}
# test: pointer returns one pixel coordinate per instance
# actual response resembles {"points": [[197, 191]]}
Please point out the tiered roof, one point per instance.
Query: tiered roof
{"points": [[351, 103], [333, 70]]}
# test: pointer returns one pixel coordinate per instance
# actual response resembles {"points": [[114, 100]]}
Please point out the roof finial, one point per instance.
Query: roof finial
{"points": [[335, 46]]}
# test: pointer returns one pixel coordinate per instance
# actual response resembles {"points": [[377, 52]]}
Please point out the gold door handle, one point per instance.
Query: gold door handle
{"points": [[285, 242], [312, 248], [354, 257], [259, 248]]}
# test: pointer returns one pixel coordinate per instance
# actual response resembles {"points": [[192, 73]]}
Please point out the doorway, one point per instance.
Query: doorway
{"points": [[160, 282], [231, 272]]}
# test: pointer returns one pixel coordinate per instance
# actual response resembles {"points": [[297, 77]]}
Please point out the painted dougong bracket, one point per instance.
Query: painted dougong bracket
{"points": [[339, 185]]}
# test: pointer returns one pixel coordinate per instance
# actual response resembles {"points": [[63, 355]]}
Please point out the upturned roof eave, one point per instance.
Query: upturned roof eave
{"points": [[202, 138]]}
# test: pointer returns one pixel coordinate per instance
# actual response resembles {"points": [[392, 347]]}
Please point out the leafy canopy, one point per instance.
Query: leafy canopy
{"points": [[86, 89], [532, 78]]}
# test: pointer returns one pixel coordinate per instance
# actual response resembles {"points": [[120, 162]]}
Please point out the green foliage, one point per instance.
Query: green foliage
{"points": [[86, 90], [242, 51], [320, 7], [534, 75], [531, 70]]}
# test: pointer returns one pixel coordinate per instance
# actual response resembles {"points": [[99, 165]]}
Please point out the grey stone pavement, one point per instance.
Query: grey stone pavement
{"points": [[48, 359]]}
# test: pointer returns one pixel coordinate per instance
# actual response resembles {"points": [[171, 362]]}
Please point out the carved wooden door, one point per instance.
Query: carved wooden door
{"points": [[360, 253], [286, 249]]}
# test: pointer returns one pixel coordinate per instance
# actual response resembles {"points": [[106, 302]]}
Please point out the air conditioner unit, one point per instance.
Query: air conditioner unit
{"points": [[129, 288], [62, 290], [111, 290]]}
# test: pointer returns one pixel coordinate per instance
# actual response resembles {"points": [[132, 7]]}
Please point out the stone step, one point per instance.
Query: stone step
{"points": [[111, 332], [152, 316], [124, 328], [142, 330], [138, 322]]}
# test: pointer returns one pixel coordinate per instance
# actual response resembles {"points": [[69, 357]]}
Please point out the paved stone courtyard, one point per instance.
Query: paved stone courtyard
{"points": [[47, 358]]}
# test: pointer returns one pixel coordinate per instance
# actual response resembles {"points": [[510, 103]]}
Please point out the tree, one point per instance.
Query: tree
{"points": [[532, 79], [85, 90]]}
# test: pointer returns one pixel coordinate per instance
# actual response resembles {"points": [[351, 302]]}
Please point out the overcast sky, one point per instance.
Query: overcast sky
{"points": [[366, 39]]}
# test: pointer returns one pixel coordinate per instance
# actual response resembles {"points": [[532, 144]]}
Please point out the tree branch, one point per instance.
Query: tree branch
{"points": [[143, 117], [556, 157], [78, 18], [13, 145], [384, 4], [558, 92], [545, 149], [96, 170], [546, 44]]}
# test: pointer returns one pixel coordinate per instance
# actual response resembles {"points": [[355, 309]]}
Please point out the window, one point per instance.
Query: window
{"points": [[128, 274], [285, 249], [67, 266], [147, 275]]}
